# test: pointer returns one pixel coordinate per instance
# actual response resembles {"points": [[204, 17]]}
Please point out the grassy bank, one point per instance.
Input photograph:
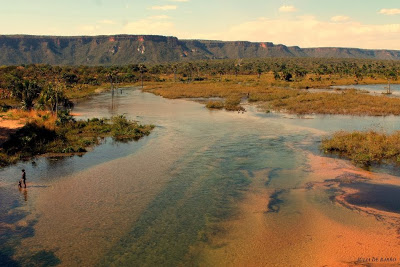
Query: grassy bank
{"points": [[64, 136], [296, 101], [364, 147]]}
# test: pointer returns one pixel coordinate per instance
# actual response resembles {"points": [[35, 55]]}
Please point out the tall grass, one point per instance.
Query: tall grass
{"points": [[364, 147], [348, 102]]}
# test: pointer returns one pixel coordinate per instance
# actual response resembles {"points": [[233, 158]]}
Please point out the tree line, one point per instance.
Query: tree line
{"points": [[44, 86]]}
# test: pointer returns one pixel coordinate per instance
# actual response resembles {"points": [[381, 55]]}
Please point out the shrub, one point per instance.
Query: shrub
{"points": [[215, 105], [364, 147]]}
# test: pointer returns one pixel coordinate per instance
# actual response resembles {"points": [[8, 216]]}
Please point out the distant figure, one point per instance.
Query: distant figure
{"points": [[23, 178], [248, 95]]}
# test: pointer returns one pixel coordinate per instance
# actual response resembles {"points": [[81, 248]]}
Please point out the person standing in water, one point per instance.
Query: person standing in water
{"points": [[23, 178]]}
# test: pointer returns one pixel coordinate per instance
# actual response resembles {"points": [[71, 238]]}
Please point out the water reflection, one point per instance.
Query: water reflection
{"points": [[24, 192], [381, 197]]}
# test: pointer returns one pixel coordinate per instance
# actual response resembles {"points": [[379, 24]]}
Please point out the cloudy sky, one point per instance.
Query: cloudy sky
{"points": [[306, 23]]}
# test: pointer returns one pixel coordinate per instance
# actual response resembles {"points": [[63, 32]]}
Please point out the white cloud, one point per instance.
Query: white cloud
{"points": [[159, 17], [340, 18], [287, 9], [308, 31], [107, 21], [150, 26], [181, 1], [88, 29], [303, 31], [393, 11], [166, 7]]}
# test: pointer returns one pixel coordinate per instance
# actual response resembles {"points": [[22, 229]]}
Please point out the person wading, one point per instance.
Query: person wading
{"points": [[23, 178]]}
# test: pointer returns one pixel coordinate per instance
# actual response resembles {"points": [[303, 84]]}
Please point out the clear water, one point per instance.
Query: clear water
{"points": [[159, 201], [374, 88]]}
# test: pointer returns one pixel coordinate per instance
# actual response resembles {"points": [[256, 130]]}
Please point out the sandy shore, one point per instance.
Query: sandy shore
{"points": [[310, 229]]}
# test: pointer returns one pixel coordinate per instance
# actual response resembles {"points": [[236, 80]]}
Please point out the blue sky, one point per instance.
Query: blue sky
{"points": [[306, 23]]}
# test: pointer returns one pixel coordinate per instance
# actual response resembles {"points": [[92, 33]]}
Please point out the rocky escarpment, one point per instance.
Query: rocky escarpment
{"points": [[131, 49]]}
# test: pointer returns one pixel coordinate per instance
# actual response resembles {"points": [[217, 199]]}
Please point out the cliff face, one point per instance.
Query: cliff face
{"points": [[352, 53], [131, 49]]}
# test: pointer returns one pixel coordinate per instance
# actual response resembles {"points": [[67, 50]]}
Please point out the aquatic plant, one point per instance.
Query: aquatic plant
{"points": [[364, 147], [215, 105], [232, 103], [123, 129]]}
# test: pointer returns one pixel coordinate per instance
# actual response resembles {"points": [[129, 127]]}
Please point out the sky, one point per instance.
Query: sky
{"points": [[371, 24]]}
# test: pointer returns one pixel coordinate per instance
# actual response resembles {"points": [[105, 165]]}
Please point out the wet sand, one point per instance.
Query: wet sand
{"points": [[311, 234]]}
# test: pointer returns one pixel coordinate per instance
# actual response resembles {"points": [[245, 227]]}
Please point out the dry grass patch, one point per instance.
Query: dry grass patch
{"points": [[346, 102]]}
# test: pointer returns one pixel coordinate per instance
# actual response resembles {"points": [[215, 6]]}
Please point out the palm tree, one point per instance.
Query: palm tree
{"points": [[53, 97], [26, 91]]}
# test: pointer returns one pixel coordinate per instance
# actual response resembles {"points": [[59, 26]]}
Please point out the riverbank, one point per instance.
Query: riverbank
{"points": [[86, 91]]}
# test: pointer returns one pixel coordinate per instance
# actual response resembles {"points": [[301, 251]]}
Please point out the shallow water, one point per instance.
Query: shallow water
{"points": [[382, 197], [374, 88], [181, 195]]}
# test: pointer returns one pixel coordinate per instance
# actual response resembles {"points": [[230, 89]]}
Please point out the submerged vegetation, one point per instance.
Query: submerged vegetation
{"points": [[364, 148], [63, 135], [185, 215]]}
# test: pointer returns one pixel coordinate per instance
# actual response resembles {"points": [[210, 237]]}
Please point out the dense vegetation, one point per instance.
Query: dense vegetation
{"points": [[66, 136], [364, 147], [277, 80], [45, 86], [283, 72]]}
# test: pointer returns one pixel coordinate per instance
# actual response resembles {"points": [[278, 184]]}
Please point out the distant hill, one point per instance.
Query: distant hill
{"points": [[131, 49]]}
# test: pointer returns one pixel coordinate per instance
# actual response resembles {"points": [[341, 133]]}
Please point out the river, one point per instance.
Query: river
{"points": [[206, 188]]}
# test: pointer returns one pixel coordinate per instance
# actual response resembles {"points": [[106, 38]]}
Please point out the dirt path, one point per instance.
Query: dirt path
{"points": [[7, 127]]}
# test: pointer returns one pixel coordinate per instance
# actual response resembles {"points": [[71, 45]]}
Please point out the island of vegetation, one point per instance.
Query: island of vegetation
{"points": [[365, 148], [62, 135]]}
